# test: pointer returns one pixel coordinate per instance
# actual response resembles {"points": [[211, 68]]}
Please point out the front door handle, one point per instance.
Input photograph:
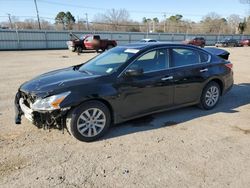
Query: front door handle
{"points": [[203, 70], [167, 78]]}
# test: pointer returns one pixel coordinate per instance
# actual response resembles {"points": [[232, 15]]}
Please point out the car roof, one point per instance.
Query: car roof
{"points": [[149, 45]]}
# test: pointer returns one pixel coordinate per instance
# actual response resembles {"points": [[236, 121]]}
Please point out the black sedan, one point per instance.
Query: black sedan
{"points": [[228, 43], [123, 83]]}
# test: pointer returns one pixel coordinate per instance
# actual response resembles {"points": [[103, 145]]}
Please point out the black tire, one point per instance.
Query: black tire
{"points": [[74, 117], [73, 49], [79, 49], [204, 99]]}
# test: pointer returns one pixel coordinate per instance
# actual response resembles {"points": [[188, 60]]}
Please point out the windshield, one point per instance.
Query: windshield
{"points": [[108, 62]]}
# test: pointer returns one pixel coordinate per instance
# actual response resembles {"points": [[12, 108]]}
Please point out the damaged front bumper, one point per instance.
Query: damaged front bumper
{"points": [[41, 119], [27, 112]]}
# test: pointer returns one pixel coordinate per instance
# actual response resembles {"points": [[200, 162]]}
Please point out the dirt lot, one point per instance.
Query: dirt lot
{"points": [[182, 148]]}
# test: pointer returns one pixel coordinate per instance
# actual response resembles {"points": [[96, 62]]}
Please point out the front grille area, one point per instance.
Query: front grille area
{"points": [[28, 99], [45, 119]]}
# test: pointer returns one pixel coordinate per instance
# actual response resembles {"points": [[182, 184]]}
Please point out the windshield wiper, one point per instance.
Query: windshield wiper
{"points": [[89, 73]]}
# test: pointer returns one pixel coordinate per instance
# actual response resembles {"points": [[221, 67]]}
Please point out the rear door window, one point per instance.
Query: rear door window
{"points": [[204, 57], [184, 57]]}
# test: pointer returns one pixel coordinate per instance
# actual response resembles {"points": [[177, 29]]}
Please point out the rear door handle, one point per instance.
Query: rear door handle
{"points": [[167, 78], [203, 70]]}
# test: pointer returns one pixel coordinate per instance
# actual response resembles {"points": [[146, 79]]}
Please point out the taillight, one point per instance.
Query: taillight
{"points": [[229, 65]]}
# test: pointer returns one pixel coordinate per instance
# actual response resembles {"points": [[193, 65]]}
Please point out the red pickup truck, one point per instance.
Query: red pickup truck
{"points": [[197, 41], [89, 42]]}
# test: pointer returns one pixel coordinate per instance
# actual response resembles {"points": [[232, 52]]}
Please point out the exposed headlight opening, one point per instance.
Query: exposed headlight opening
{"points": [[49, 103]]}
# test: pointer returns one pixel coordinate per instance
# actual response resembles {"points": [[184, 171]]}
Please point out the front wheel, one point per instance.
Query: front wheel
{"points": [[89, 121], [73, 49], [210, 96], [79, 49]]}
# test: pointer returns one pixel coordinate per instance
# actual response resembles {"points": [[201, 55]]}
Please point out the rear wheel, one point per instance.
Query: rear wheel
{"points": [[210, 96], [99, 50], [89, 121]]}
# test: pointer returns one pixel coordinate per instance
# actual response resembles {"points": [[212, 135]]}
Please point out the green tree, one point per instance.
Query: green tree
{"points": [[60, 19], [156, 20], [155, 23], [242, 26], [175, 18], [147, 22], [174, 23], [66, 19], [70, 20]]}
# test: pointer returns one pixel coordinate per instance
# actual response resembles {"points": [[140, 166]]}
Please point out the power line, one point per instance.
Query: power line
{"points": [[132, 11], [159, 13], [71, 5]]}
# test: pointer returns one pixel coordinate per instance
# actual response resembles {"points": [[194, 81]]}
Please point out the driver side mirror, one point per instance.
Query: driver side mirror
{"points": [[134, 72]]}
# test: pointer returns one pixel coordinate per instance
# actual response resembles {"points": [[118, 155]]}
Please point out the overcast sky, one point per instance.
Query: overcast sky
{"points": [[190, 9]]}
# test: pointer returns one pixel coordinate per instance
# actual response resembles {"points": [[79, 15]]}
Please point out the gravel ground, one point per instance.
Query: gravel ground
{"points": [[188, 147]]}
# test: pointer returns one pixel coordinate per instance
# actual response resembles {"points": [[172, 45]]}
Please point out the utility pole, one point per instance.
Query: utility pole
{"points": [[153, 26], [87, 20], [164, 16], [78, 24], [9, 16], [38, 19]]}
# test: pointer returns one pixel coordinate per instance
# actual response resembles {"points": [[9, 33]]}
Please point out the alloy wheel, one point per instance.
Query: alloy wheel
{"points": [[91, 122], [212, 96]]}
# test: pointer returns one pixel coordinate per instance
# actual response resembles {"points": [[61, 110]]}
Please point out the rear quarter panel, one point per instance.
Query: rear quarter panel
{"points": [[218, 71]]}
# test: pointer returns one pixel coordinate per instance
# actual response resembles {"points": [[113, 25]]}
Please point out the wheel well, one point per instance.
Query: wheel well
{"points": [[106, 103], [220, 83]]}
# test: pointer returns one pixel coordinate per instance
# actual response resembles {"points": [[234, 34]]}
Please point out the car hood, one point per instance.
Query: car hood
{"points": [[73, 36], [56, 80]]}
